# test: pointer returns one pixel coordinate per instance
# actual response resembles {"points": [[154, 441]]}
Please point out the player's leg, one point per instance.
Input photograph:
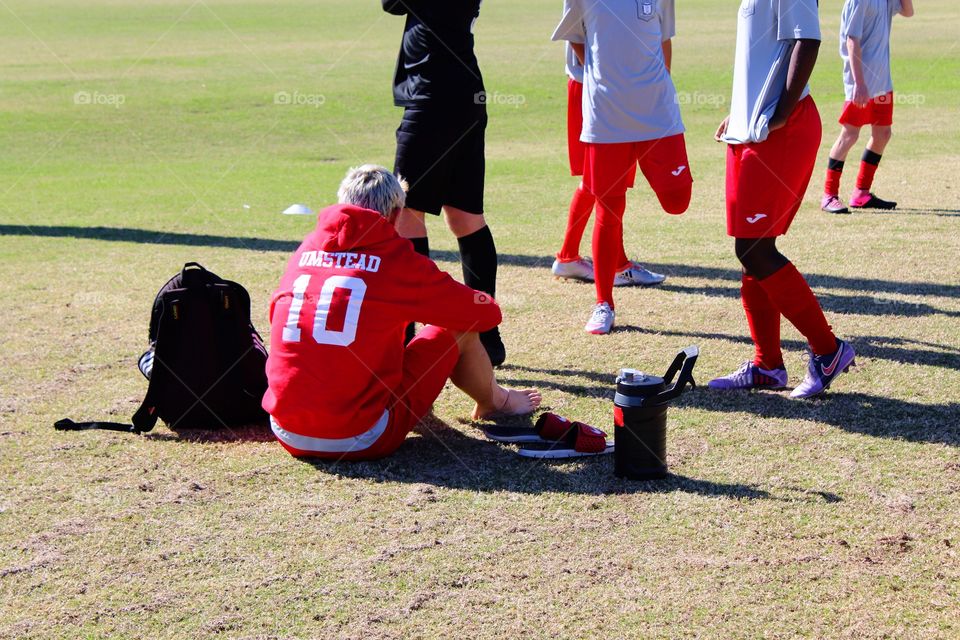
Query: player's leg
{"points": [[765, 188], [463, 210], [881, 131], [831, 202], [416, 161], [608, 167], [569, 263], [631, 273], [473, 374], [421, 138]]}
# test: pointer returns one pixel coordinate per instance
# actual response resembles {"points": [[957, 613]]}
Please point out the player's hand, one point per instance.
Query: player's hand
{"points": [[776, 122], [860, 95], [721, 130]]}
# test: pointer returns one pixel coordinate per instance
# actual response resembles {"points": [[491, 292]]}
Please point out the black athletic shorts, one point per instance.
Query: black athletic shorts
{"points": [[440, 152]]}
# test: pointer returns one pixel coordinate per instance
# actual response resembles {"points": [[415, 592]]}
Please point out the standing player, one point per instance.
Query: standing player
{"points": [[341, 382], [440, 142], [569, 263], [865, 49], [773, 132], [630, 116]]}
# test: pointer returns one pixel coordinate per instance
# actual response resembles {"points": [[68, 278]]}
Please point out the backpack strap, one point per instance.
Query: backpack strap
{"points": [[69, 425]]}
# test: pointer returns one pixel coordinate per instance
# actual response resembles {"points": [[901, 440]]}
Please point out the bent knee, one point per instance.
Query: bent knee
{"points": [[676, 201]]}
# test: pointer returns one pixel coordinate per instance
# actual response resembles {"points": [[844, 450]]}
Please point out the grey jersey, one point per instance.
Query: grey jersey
{"points": [[767, 31], [868, 21], [628, 95]]}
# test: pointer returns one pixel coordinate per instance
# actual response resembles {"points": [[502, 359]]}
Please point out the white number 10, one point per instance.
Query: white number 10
{"points": [[322, 335]]}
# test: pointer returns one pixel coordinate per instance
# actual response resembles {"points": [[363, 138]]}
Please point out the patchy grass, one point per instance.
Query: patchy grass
{"points": [[831, 518]]}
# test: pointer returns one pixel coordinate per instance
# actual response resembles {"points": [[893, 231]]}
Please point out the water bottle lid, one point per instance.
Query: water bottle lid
{"points": [[634, 383]]}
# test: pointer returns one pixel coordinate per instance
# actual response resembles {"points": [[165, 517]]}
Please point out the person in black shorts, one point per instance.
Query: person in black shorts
{"points": [[440, 141]]}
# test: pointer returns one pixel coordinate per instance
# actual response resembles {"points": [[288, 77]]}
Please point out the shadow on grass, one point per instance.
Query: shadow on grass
{"points": [[854, 412], [732, 275], [902, 350], [446, 457], [246, 433], [944, 213]]}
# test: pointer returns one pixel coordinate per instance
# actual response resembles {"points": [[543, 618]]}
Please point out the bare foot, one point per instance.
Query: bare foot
{"points": [[512, 402]]}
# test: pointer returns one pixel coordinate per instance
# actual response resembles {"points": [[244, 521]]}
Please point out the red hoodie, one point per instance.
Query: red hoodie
{"points": [[354, 285]]}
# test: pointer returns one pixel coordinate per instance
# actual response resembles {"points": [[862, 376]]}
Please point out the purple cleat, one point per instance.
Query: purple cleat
{"points": [[751, 376], [866, 200], [823, 370]]}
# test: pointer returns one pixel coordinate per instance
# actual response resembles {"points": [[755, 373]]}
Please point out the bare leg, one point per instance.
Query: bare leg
{"points": [[879, 138], [410, 224], [846, 140], [474, 376]]}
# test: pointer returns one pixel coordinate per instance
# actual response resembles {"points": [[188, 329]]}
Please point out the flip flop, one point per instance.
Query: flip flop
{"points": [[549, 428], [579, 442]]}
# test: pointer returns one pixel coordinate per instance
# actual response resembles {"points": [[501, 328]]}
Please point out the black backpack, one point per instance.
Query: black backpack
{"points": [[206, 363]]}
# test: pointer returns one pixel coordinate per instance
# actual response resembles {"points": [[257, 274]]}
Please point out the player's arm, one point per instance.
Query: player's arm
{"points": [[860, 96], [906, 8], [438, 299], [578, 51], [803, 58], [667, 53]]}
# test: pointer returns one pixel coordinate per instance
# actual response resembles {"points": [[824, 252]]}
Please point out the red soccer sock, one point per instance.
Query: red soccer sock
{"points": [[622, 259], [834, 172], [792, 296], [868, 168], [607, 236], [764, 321], [581, 205]]}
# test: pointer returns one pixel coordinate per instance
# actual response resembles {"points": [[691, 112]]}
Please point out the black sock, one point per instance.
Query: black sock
{"points": [[870, 157], [478, 257], [421, 245], [835, 165]]}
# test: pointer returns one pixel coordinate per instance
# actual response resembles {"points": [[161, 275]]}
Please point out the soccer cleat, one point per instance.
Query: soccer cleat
{"points": [[751, 376], [636, 275], [833, 204], [601, 320], [579, 269], [866, 200], [823, 370]]}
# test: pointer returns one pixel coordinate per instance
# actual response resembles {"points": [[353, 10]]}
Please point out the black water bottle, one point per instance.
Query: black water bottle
{"points": [[640, 417]]}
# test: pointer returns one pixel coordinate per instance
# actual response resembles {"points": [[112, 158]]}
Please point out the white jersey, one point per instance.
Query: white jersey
{"points": [[628, 95], [868, 21], [767, 31]]}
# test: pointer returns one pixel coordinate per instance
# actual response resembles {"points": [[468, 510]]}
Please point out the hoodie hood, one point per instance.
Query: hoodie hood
{"points": [[345, 227]]}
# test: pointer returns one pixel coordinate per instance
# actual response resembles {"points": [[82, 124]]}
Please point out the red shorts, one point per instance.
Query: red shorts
{"points": [[879, 112], [576, 149], [766, 181], [610, 168], [428, 361]]}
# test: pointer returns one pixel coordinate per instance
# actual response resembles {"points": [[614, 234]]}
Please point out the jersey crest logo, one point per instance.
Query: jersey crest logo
{"points": [[646, 10]]}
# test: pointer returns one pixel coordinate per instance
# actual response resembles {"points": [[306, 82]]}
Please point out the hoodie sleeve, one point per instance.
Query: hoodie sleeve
{"points": [[440, 300]]}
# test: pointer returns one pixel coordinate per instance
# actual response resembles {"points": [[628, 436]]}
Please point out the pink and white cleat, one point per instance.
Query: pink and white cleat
{"points": [[833, 204]]}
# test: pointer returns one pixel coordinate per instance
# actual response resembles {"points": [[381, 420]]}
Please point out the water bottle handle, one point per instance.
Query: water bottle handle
{"points": [[683, 363]]}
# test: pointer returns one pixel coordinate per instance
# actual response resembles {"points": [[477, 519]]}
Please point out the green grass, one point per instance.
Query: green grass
{"points": [[831, 518]]}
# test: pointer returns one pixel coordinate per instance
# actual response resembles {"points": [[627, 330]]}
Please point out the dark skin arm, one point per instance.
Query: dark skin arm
{"points": [[803, 58], [802, 61], [578, 50]]}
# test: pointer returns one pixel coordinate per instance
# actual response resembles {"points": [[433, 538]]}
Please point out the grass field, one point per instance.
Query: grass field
{"points": [[139, 134]]}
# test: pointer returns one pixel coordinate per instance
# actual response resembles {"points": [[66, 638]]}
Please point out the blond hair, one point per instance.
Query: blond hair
{"points": [[373, 187]]}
